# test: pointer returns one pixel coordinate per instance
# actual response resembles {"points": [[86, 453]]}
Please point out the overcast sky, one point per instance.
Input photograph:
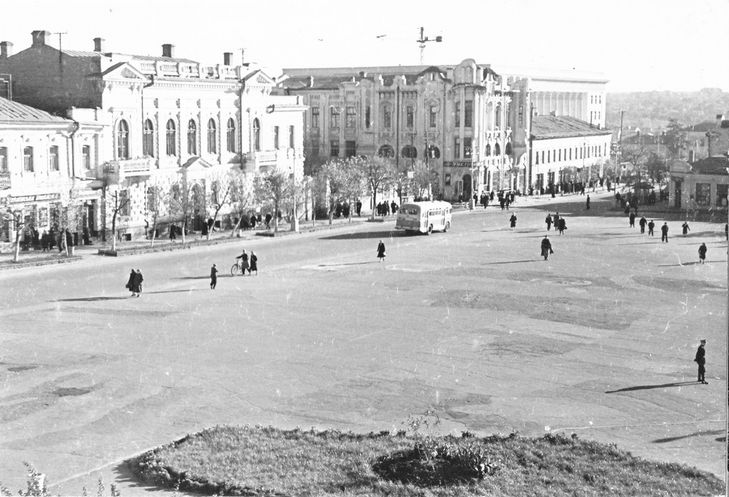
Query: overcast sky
{"points": [[636, 44]]}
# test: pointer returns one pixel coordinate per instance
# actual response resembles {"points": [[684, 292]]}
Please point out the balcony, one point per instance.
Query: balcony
{"points": [[119, 170]]}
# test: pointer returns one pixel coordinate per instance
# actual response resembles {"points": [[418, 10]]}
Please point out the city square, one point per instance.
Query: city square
{"points": [[471, 326]]}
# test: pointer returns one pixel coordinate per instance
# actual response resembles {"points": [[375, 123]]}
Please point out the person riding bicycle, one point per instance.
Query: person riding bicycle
{"points": [[243, 262]]}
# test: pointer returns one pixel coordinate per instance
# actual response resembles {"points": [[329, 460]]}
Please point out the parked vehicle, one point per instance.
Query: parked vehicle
{"points": [[424, 217]]}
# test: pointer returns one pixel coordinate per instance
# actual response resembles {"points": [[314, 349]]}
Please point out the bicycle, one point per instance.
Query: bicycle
{"points": [[236, 269]]}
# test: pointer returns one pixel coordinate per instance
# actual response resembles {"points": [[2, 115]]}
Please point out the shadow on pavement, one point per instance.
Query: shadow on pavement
{"points": [[509, 262], [371, 234], [174, 291], [649, 387], [694, 434], [91, 299]]}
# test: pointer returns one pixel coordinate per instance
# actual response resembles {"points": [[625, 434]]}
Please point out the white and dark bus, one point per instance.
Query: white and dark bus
{"points": [[424, 217]]}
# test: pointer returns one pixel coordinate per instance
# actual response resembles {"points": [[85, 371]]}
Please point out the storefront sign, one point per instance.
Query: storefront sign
{"points": [[458, 163], [41, 197]]}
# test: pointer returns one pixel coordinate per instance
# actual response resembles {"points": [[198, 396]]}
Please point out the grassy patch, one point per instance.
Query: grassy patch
{"points": [[265, 461]]}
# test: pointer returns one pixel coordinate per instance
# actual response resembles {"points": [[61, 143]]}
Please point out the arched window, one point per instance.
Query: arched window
{"points": [[488, 149], [230, 135], [386, 151], [122, 140], [409, 152], [148, 139], [256, 135], [507, 148], [171, 142], [212, 137], [191, 137], [432, 152], [387, 117], [497, 149], [498, 117]]}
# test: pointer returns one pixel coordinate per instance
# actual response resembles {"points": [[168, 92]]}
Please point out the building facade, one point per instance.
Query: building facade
{"points": [[45, 161], [170, 120], [452, 118], [699, 186]]}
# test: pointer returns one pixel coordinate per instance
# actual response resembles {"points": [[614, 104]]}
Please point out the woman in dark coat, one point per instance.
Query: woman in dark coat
{"points": [[512, 220], [546, 248], [561, 225], [137, 283], [381, 251], [254, 264]]}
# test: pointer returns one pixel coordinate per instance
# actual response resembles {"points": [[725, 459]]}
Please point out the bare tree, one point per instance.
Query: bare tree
{"points": [[119, 203], [181, 203], [157, 200], [18, 222], [377, 173], [273, 187], [242, 194], [219, 194]]}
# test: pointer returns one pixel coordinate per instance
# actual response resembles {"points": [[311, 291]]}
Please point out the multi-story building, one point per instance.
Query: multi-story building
{"points": [[454, 118], [170, 119], [44, 162]]}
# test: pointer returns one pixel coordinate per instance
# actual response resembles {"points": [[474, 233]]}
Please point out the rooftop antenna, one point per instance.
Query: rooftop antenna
{"points": [[423, 40]]}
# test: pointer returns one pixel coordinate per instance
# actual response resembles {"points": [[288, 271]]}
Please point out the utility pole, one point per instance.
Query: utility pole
{"points": [[620, 145], [60, 48], [423, 40]]}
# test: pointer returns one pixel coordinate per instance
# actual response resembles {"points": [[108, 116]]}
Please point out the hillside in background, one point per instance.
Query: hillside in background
{"points": [[651, 110]]}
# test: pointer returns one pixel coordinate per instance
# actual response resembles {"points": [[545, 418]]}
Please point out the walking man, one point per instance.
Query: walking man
{"points": [[651, 225], [702, 253], [213, 277], [664, 233], [587, 202], [685, 228], [548, 220], [700, 359], [642, 224], [546, 247], [512, 220], [381, 251], [631, 217]]}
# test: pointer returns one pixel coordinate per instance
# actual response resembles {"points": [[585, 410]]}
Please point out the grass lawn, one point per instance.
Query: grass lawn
{"points": [[242, 460]]}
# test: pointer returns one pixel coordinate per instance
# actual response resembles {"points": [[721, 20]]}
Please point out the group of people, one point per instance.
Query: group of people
{"points": [[384, 209], [560, 223], [685, 228], [134, 283]]}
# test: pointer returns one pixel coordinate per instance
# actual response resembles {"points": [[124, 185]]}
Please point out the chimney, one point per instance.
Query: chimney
{"points": [[6, 49], [39, 38], [99, 44], [168, 50], [227, 58]]}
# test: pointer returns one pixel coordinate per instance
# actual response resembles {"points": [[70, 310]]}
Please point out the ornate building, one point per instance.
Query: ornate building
{"points": [[169, 119], [454, 118]]}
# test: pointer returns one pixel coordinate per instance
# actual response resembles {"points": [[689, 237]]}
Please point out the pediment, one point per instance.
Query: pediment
{"points": [[123, 70], [260, 78], [196, 165]]}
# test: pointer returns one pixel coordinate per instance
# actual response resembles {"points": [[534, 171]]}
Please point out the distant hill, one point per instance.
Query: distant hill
{"points": [[651, 110]]}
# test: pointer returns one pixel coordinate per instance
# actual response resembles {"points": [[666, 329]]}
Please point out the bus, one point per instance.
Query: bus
{"points": [[424, 217]]}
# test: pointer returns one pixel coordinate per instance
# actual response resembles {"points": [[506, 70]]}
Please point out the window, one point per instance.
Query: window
{"points": [[123, 203], [432, 152], [171, 147], [703, 194], [368, 117], [256, 135], [387, 118], [350, 148], [28, 159], [212, 137], [122, 140], [570, 154], [291, 137], [542, 156], [409, 152], [314, 150], [409, 116], [386, 151], [351, 117], [334, 113], [53, 158], [468, 114], [3, 159], [507, 148], [315, 117], [334, 148], [230, 136], [191, 138], [497, 149], [86, 157], [467, 150], [148, 139], [433, 116], [275, 137], [151, 200], [457, 148], [458, 114], [497, 116], [536, 158], [721, 195]]}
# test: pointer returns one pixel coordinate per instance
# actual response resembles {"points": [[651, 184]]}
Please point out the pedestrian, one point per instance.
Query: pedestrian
{"points": [[213, 277], [546, 247], [700, 359], [130, 282], [253, 221], [631, 219], [268, 220], [651, 225], [381, 251], [512, 220], [359, 208], [548, 220], [137, 283], [642, 224], [702, 253], [587, 202], [555, 220], [254, 264], [562, 225], [243, 262], [664, 233], [685, 228], [726, 231]]}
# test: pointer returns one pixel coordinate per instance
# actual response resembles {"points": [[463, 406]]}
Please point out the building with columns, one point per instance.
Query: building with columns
{"points": [[44, 163], [452, 117], [169, 119]]}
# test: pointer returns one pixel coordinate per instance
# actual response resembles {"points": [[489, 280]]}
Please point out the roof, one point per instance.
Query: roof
{"points": [[81, 53], [563, 127], [152, 58], [711, 165], [16, 112]]}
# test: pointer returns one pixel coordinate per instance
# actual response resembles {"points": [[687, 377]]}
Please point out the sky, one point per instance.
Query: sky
{"points": [[639, 45]]}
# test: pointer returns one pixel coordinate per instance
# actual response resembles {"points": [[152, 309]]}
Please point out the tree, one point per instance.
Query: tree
{"points": [[345, 181], [242, 194], [119, 203], [157, 199], [674, 138], [219, 194], [17, 220], [656, 168], [273, 187], [70, 219], [181, 202], [377, 173]]}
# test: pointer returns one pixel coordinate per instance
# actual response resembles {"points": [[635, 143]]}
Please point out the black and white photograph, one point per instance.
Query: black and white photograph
{"points": [[408, 249]]}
